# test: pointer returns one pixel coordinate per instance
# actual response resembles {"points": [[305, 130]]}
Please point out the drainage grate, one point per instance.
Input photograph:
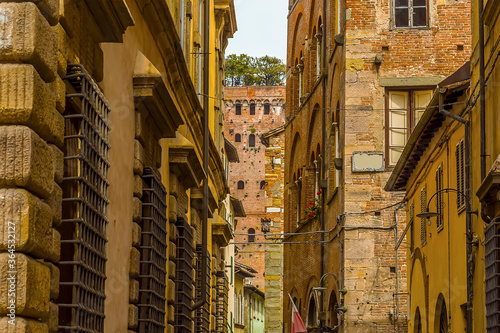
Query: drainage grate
{"points": [[85, 186], [153, 255], [183, 278], [492, 277], [202, 314], [222, 290]]}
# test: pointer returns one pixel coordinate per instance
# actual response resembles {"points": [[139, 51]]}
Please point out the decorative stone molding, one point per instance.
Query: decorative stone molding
{"points": [[151, 95]]}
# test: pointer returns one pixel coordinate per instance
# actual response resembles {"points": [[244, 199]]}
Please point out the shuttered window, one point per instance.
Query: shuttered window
{"points": [[412, 227], [460, 164], [492, 276], [439, 197], [423, 220]]}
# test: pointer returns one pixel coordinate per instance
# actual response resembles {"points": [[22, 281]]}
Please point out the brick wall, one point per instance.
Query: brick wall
{"points": [[252, 166], [353, 95]]}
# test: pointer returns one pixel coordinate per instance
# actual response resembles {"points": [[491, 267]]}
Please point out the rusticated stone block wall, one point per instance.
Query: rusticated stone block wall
{"points": [[31, 166]]}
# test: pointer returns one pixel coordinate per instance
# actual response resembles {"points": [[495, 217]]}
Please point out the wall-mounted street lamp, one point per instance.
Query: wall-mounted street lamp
{"points": [[427, 214]]}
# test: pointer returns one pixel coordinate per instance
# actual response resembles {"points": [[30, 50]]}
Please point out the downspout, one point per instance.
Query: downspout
{"points": [[482, 104], [323, 145], [396, 258], [468, 227], [206, 157]]}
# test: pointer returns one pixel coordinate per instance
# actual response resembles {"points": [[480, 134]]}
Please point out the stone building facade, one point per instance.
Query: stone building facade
{"points": [[254, 122], [359, 75], [105, 165]]}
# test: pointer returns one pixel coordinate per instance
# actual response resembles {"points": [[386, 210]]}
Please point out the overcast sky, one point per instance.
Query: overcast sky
{"points": [[261, 28]]}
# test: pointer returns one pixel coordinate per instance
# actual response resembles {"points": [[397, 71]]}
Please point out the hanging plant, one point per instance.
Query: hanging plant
{"points": [[314, 208]]}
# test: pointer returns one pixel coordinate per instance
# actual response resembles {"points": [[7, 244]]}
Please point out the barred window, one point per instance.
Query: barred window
{"points": [[238, 109], [252, 109], [460, 164], [85, 200], [423, 220], [153, 249], [183, 277], [221, 300], [237, 138], [202, 315]]}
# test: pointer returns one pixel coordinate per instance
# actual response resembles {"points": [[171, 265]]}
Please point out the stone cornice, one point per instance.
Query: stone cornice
{"points": [[112, 18], [150, 92]]}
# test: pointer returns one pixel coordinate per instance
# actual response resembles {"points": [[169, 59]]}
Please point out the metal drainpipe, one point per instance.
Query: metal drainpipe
{"points": [[206, 157], [468, 224], [323, 142], [396, 258], [482, 103]]}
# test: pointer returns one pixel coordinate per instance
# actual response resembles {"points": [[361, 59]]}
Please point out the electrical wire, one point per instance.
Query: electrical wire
{"points": [[301, 107], [324, 231]]}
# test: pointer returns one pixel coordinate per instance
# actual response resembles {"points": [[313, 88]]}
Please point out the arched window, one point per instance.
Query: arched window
{"points": [[417, 327], [238, 109], [267, 108], [251, 140], [237, 138], [311, 313], [252, 109], [334, 321], [263, 185], [241, 185], [251, 235]]}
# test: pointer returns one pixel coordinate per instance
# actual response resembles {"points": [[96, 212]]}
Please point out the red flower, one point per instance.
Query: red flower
{"points": [[307, 206], [319, 192], [311, 214], [311, 202]]}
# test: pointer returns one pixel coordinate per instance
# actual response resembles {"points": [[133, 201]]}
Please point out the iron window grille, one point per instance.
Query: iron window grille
{"points": [[252, 109], [183, 278], [85, 201], [238, 109], [423, 224], [222, 290], [153, 249], [202, 315]]}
